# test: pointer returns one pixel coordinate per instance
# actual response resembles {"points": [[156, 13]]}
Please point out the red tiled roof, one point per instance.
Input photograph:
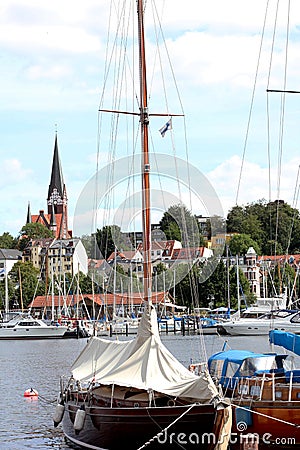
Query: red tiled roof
{"points": [[156, 245], [96, 263], [38, 218], [128, 254], [42, 301], [185, 253]]}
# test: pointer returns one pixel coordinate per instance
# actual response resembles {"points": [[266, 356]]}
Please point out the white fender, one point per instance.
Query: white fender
{"points": [[79, 420], [58, 414]]}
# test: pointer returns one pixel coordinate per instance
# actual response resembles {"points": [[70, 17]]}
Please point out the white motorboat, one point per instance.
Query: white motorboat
{"points": [[281, 319], [262, 306], [18, 325]]}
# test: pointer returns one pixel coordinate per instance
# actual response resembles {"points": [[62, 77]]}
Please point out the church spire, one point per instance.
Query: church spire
{"points": [[57, 191], [28, 220]]}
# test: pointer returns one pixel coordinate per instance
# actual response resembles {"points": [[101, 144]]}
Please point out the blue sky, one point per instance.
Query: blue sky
{"points": [[51, 75]]}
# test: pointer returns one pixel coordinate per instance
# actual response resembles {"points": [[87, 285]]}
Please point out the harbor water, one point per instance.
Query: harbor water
{"points": [[27, 423]]}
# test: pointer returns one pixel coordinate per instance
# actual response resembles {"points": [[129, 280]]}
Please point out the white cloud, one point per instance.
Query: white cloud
{"points": [[254, 182], [12, 172], [37, 72], [38, 39]]}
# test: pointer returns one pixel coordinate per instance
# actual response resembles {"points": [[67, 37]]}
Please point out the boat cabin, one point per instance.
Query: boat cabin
{"points": [[227, 367]]}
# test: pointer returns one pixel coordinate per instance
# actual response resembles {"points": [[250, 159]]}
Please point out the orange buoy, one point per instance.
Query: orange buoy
{"points": [[31, 393]]}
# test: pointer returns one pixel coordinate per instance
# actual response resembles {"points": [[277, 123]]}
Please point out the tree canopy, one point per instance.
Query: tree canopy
{"points": [[7, 241], [25, 279], [180, 224], [240, 243], [33, 231], [191, 293], [110, 238], [274, 226]]}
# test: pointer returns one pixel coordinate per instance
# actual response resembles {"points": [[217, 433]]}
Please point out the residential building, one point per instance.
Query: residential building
{"points": [[252, 271], [8, 258], [161, 250], [204, 229], [36, 252], [136, 237], [221, 239], [67, 256], [57, 256], [130, 261]]}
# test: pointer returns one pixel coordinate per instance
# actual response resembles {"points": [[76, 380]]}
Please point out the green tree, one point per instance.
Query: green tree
{"points": [[240, 243], [121, 281], [216, 287], [272, 247], [180, 224], [7, 241], [186, 291], [278, 277], [246, 297], [25, 278], [33, 231], [110, 238], [274, 226], [235, 220]]}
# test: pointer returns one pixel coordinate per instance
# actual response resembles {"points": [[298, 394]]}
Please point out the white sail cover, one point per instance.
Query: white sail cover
{"points": [[143, 363]]}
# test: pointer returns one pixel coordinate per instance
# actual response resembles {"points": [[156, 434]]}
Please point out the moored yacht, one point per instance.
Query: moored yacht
{"points": [[18, 325], [281, 319]]}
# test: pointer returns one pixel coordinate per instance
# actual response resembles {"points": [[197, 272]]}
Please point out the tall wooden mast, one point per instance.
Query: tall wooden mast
{"points": [[144, 119]]}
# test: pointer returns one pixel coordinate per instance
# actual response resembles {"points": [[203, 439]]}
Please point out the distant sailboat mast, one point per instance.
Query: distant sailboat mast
{"points": [[6, 287], [144, 119]]}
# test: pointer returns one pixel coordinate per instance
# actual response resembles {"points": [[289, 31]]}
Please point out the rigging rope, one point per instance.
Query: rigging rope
{"points": [[251, 104], [166, 428], [267, 416]]}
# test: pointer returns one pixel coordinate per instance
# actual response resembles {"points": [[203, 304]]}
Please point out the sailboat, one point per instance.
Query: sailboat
{"points": [[135, 394]]}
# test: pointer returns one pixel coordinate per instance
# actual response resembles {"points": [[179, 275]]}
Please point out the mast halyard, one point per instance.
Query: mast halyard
{"points": [[144, 119]]}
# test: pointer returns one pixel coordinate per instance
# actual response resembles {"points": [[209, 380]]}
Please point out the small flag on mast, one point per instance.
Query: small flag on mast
{"points": [[166, 127]]}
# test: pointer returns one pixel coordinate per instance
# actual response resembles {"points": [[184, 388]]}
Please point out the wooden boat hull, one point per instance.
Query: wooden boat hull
{"points": [[129, 428], [276, 423]]}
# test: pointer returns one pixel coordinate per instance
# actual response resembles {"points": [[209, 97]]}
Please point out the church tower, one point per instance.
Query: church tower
{"points": [[56, 218], [57, 200]]}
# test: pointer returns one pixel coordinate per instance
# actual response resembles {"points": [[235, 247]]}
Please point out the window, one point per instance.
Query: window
{"points": [[216, 368], [252, 365], [296, 318], [232, 369], [243, 389], [255, 391]]}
